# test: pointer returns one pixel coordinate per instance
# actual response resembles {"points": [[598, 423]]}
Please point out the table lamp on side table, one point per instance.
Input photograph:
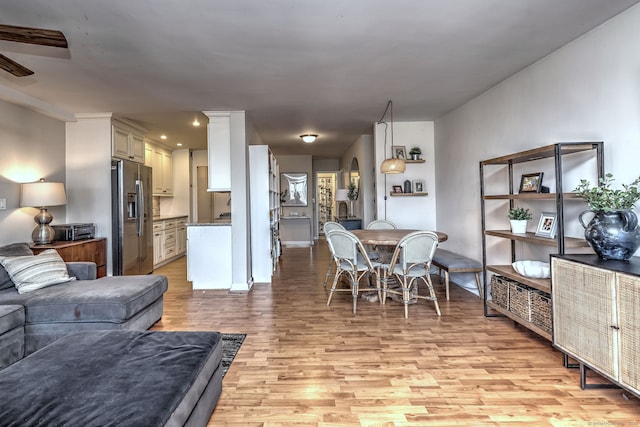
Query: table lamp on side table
{"points": [[40, 195], [342, 195]]}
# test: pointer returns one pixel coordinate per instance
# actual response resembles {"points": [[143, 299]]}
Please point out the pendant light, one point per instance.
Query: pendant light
{"points": [[391, 164]]}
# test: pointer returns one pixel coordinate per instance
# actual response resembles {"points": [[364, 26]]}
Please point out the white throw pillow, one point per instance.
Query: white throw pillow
{"points": [[32, 272]]}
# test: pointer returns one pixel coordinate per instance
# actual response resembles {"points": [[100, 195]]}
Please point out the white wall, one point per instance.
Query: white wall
{"points": [[88, 164], [32, 146], [179, 203], [589, 90], [415, 212], [362, 149]]}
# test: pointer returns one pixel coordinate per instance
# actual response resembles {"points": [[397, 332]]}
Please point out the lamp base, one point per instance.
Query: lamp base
{"points": [[43, 234]]}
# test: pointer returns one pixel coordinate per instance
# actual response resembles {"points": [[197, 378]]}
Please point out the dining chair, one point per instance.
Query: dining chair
{"points": [[411, 260], [381, 224], [326, 228], [351, 261]]}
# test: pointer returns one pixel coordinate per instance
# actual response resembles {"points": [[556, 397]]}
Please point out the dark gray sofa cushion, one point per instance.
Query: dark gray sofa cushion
{"points": [[11, 316], [11, 334], [14, 249], [116, 378], [108, 299]]}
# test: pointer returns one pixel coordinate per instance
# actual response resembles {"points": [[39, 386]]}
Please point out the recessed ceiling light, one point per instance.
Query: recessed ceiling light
{"points": [[196, 123], [179, 144], [308, 138], [163, 136]]}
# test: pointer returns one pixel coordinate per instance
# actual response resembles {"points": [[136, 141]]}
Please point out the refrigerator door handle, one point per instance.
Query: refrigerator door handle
{"points": [[140, 213]]}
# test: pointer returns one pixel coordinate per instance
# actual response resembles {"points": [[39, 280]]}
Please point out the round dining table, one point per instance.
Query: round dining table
{"points": [[388, 237]]}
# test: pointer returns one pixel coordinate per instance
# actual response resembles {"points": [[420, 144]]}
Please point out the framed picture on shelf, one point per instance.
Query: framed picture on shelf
{"points": [[418, 186], [547, 225], [531, 183], [399, 152], [397, 188]]}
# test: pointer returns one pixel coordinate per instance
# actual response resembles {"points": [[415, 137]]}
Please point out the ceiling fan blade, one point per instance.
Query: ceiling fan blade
{"points": [[38, 36], [13, 67]]}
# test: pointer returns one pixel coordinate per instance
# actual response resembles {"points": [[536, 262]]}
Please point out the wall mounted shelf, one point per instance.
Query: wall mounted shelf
{"points": [[407, 194]]}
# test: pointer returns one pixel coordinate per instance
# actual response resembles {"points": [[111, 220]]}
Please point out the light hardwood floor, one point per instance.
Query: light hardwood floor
{"points": [[304, 363]]}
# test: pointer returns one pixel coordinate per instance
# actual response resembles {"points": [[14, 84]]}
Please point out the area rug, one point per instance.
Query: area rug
{"points": [[230, 345]]}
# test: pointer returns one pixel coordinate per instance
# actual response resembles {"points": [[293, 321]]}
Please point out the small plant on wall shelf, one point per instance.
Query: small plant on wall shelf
{"points": [[520, 214], [415, 152]]}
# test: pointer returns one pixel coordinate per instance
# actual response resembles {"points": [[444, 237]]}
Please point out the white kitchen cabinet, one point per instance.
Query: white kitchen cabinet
{"points": [[169, 239], [219, 150], [162, 170], [127, 142], [181, 236]]}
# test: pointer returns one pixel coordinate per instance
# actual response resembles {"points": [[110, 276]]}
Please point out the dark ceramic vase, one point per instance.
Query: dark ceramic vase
{"points": [[612, 235]]}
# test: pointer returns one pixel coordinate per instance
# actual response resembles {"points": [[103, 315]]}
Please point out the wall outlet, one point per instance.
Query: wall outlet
{"points": [[3, 204]]}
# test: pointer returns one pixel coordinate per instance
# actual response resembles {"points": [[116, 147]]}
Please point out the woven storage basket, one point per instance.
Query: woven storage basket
{"points": [[500, 291], [520, 300], [541, 310]]}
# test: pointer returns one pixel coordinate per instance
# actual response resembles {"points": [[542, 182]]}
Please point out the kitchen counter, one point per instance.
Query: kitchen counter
{"points": [[164, 217], [201, 224]]}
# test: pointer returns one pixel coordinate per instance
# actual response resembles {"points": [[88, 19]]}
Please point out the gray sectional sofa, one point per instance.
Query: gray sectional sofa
{"points": [[87, 303], [78, 353]]}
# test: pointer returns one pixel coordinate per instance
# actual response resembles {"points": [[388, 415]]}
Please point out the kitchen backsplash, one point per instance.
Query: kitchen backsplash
{"points": [[156, 206]]}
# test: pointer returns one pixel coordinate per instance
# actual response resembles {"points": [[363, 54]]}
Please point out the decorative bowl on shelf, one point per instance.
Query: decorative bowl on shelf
{"points": [[532, 269]]}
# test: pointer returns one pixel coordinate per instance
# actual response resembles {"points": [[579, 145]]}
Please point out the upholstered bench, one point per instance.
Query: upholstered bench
{"points": [[116, 378], [450, 262]]}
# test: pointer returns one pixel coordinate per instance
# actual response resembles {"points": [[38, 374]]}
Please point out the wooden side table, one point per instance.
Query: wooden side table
{"points": [[91, 250]]}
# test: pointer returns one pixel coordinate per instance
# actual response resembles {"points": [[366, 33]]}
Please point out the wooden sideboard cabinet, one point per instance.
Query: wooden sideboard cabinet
{"points": [[92, 250], [596, 316]]}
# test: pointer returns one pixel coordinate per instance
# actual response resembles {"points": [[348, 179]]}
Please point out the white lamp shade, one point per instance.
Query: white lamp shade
{"points": [[42, 194], [342, 194]]}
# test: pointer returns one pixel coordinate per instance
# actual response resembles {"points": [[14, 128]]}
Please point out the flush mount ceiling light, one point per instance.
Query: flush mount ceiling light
{"points": [[308, 137], [163, 136]]}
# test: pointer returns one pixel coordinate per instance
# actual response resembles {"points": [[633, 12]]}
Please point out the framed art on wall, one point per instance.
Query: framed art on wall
{"points": [[397, 188], [293, 187]]}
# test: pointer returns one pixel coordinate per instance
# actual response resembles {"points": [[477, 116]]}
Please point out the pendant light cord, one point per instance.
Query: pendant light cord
{"points": [[389, 106]]}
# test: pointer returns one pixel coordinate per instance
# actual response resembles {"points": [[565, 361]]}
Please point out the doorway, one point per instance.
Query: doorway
{"points": [[325, 207]]}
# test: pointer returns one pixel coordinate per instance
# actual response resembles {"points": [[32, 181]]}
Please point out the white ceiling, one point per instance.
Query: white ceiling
{"points": [[295, 66]]}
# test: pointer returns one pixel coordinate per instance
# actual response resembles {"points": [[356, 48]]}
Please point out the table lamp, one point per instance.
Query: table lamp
{"points": [[342, 195], [40, 195]]}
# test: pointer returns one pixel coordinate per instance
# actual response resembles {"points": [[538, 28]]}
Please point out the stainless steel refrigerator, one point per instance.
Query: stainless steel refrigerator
{"points": [[132, 221]]}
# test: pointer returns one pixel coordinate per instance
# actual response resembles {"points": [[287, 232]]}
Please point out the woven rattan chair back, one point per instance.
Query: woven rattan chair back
{"points": [[411, 260], [352, 262], [330, 226], [381, 224], [327, 227]]}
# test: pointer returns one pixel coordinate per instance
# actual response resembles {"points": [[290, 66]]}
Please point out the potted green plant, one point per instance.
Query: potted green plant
{"points": [[519, 217], [613, 231], [415, 152]]}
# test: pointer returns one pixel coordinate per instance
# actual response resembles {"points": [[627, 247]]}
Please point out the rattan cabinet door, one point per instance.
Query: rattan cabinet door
{"points": [[629, 312], [584, 313]]}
